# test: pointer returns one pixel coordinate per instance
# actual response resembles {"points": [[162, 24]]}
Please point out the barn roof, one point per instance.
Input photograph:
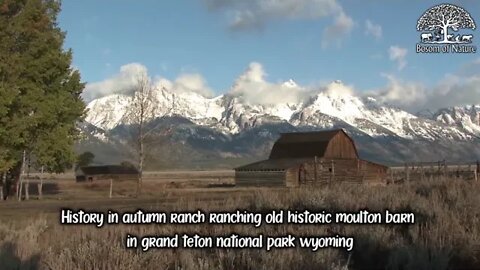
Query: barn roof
{"points": [[108, 169], [272, 164], [312, 136], [305, 144]]}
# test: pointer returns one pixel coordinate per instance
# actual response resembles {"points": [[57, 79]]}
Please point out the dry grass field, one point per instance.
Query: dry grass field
{"points": [[446, 233]]}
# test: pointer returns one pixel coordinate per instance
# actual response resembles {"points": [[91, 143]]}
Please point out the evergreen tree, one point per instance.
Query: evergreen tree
{"points": [[85, 159], [40, 101]]}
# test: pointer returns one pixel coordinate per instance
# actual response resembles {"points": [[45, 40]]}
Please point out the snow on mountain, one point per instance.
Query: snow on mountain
{"points": [[354, 111], [111, 111], [107, 112], [467, 117], [239, 115], [231, 114]]}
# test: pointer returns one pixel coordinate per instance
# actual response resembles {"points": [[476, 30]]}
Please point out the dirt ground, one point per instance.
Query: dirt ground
{"points": [[158, 189]]}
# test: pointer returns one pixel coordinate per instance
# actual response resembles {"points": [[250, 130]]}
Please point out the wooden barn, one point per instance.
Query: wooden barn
{"points": [[311, 158], [106, 172]]}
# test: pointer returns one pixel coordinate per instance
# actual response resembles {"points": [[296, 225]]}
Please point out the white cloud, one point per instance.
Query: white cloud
{"points": [[398, 54], [254, 14], [372, 29], [191, 83], [252, 88], [120, 83], [123, 83], [407, 95], [338, 89], [254, 73], [455, 90], [459, 89], [335, 33]]}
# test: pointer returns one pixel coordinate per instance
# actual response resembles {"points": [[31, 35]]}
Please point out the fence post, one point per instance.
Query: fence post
{"points": [[20, 180], [27, 191], [477, 170], [408, 176], [40, 186], [3, 186], [438, 171], [111, 187], [315, 169], [333, 171], [40, 191], [321, 170], [18, 189], [445, 170], [27, 183]]}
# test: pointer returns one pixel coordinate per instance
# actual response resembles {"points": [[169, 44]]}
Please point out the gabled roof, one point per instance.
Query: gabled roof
{"points": [[312, 136], [108, 169], [304, 144]]}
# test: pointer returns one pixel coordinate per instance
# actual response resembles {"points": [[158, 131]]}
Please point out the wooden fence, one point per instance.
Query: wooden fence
{"points": [[419, 171]]}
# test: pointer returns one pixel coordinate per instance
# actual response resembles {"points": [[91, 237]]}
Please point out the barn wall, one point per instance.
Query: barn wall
{"points": [[324, 171], [373, 172], [291, 177], [260, 178], [341, 146], [345, 170], [116, 177]]}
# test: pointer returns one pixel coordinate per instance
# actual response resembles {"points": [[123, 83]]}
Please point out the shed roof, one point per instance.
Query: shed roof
{"points": [[108, 169], [273, 164]]}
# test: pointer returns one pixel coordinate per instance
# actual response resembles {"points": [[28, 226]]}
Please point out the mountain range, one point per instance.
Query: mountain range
{"points": [[194, 131]]}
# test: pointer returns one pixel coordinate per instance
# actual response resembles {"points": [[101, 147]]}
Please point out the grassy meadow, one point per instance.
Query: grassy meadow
{"points": [[446, 233]]}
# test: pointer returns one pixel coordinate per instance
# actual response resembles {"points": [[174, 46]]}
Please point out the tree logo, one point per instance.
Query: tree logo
{"points": [[440, 27]]}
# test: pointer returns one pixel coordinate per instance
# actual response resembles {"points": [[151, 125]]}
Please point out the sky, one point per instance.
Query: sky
{"points": [[208, 45]]}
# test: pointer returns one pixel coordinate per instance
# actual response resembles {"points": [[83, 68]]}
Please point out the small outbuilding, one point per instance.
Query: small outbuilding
{"points": [[106, 172], [308, 158]]}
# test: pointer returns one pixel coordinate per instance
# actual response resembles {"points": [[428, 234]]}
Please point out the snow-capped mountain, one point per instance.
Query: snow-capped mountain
{"points": [[230, 114], [229, 129], [467, 118], [110, 111]]}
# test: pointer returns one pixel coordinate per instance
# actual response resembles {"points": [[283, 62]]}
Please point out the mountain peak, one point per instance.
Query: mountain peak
{"points": [[335, 103]]}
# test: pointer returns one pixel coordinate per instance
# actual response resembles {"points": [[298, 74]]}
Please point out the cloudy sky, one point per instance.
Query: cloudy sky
{"points": [[206, 46]]}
